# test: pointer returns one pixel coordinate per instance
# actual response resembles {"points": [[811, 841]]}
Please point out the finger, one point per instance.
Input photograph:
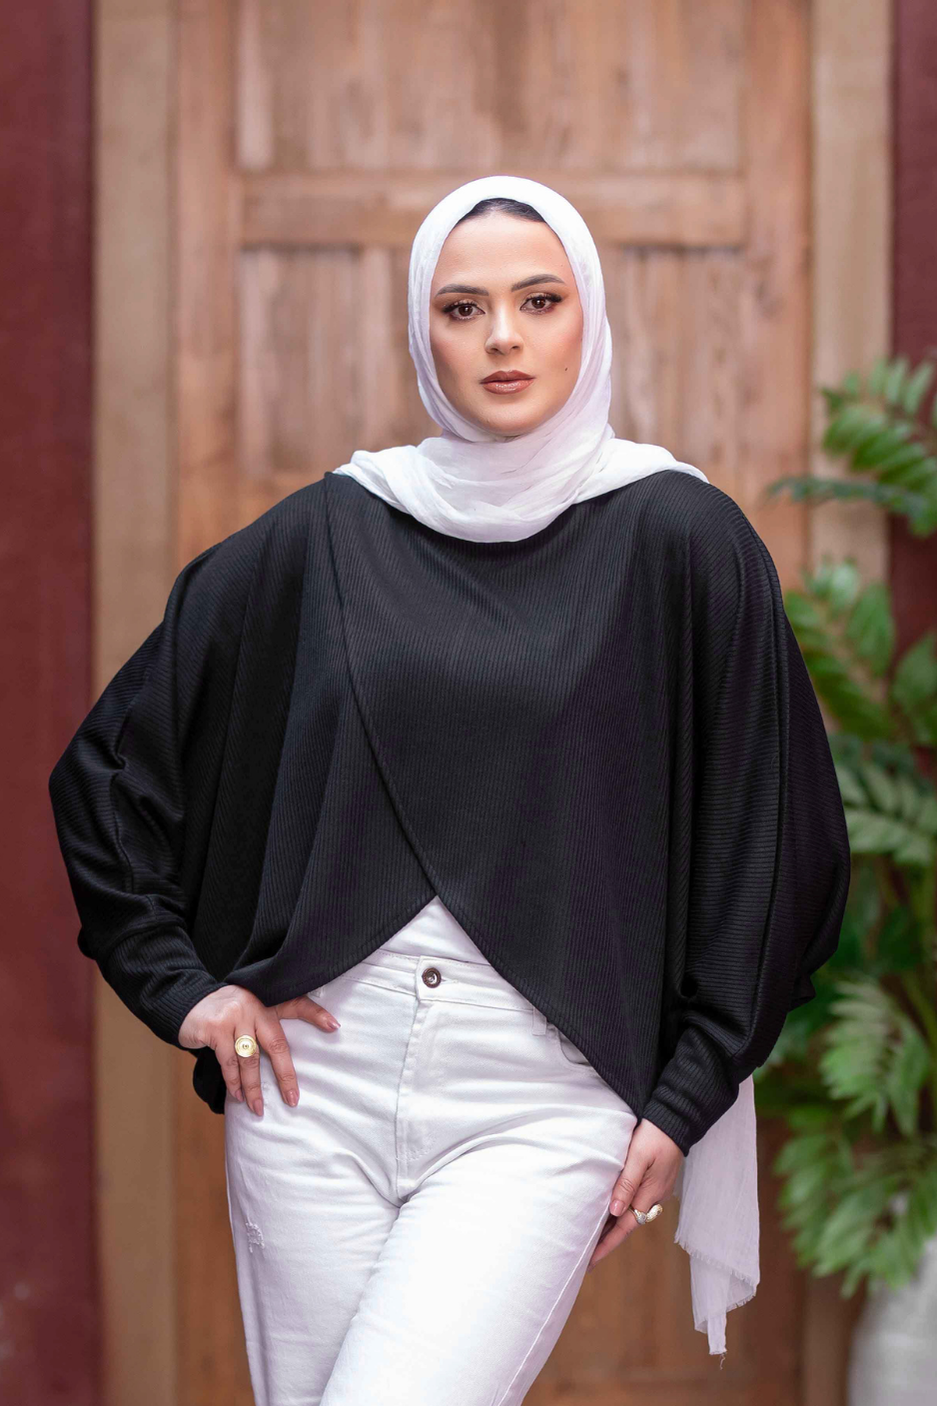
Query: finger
{"points": [[635, 1186], [305, 1008], [249, 1067], [619, 1228], [231, 1063], [616, 1231], [274, 1041], [626, 1187]]}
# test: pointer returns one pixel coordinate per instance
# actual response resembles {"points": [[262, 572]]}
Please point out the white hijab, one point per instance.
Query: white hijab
{"points": [[469, 482]]}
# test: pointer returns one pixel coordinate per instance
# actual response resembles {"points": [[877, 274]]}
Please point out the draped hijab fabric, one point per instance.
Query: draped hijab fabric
{"points": [[469, 482]]}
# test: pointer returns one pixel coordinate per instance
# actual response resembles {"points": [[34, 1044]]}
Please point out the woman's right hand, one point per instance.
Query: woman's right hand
{"points": [[221, 1016]]}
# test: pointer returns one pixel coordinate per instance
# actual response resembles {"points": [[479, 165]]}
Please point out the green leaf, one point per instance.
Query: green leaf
{"points": [[916, 387], [920, 477], [915, 679], [914, 685], [802, 1151], [870, 832], [850, 1228], [848, 430], [887, 449], [878, 376], [871, 626], [844, 633], [874, 1055], [850, 787], [926, 818], [910, 1066], [839, 584], [917, 851], [895, 1254], [908, 465], [896, 380], [855, 1061], [922, 1202], [880, 787], [910, 797]]}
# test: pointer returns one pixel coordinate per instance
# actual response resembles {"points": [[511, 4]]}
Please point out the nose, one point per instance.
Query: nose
{"points": [[504, 334]]}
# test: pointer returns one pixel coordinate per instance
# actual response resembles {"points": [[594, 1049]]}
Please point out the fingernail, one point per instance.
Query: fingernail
{"points": [[258, 1107], [332, 1023], [292, 1097], [617, 1207], [238, 1094]]}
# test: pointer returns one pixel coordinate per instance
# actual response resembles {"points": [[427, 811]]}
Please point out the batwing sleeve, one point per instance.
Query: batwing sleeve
{"points": [[770, 862], [119, 799]]}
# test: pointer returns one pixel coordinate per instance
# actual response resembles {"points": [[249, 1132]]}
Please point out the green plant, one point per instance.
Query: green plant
{"points": [[854, 1073], [876, 425]]}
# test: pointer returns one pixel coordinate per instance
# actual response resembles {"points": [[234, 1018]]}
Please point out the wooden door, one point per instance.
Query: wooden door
{"points": [[312, 139]]}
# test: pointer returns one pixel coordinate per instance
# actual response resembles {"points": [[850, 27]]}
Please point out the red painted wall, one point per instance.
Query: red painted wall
{"points": [[914, 561], [49, 1314]]}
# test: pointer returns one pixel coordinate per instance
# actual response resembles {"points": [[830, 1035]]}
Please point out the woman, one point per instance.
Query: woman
{"points": [[500, 749]]}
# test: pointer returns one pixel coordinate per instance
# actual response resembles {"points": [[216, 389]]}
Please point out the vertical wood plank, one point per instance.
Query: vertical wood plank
{"points": [[134, 543], [775, 297], [205, 290], [210, 1359], [852, 236]]}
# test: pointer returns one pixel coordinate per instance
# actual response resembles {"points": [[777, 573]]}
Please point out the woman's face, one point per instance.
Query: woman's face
{"points": [[503, 299]]}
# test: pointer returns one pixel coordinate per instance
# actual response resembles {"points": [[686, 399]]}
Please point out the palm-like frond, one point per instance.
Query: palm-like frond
{"points": [[875, 1058], [874, 423]]}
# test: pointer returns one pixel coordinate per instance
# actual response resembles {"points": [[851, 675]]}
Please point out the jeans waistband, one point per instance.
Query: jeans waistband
{"points": [[433, 978]]}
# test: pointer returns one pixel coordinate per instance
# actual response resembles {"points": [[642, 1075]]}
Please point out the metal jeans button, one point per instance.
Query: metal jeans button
{"points": [[432, 976]]}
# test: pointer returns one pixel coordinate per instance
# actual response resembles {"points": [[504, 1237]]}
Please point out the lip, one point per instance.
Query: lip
{"points": [[506, 382]]}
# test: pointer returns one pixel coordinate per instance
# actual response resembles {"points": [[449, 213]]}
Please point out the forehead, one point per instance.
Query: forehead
{"points": [[500, 248]]}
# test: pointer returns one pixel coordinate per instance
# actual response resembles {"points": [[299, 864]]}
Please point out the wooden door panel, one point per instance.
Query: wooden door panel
{"points": [[588, 86]]}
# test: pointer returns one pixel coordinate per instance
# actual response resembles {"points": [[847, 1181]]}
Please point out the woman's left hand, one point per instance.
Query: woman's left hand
{"points": [[649, 1174]]}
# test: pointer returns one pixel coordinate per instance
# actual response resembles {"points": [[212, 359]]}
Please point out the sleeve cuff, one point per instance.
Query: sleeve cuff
{"points": [[671, 1123], [160, 996]]}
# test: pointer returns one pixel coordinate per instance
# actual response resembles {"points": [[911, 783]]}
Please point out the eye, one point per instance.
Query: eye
{"points": [[547, 298], [449, 309]]}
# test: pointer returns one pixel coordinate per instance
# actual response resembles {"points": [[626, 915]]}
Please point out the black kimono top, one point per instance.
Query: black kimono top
{"points": [[599, 745]]}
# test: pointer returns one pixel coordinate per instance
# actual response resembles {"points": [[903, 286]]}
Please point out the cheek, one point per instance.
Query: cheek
{"points": [[449, 358], [572, 350], [565, 349]]}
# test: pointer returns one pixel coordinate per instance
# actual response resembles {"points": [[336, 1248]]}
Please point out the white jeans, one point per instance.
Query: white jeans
{"points": [[416, 1230]]}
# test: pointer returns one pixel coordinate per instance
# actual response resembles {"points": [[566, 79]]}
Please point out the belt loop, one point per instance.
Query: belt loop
{"points": [[538, 1022]]}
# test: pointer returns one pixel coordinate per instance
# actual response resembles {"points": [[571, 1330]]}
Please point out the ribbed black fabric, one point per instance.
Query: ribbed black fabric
{"points": [[599, 745]]}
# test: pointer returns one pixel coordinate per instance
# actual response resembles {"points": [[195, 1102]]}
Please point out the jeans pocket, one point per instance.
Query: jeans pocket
{"points": [[569, 1052]]}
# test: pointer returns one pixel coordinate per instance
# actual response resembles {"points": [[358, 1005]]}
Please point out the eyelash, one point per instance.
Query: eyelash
{"points": [[467, 302]]}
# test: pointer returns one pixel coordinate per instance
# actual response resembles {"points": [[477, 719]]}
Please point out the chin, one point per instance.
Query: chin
{"points": [[510, 421]]}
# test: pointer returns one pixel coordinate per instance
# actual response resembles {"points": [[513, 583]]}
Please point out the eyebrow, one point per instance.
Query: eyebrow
{"points": [[483, 292]]}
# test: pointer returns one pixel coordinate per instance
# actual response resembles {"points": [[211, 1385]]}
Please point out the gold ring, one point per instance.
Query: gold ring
{"points": [[246, 1046], [642, 1217]]}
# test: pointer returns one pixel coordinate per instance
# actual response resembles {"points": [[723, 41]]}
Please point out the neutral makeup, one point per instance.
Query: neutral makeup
{"points": [[505, 322]]}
